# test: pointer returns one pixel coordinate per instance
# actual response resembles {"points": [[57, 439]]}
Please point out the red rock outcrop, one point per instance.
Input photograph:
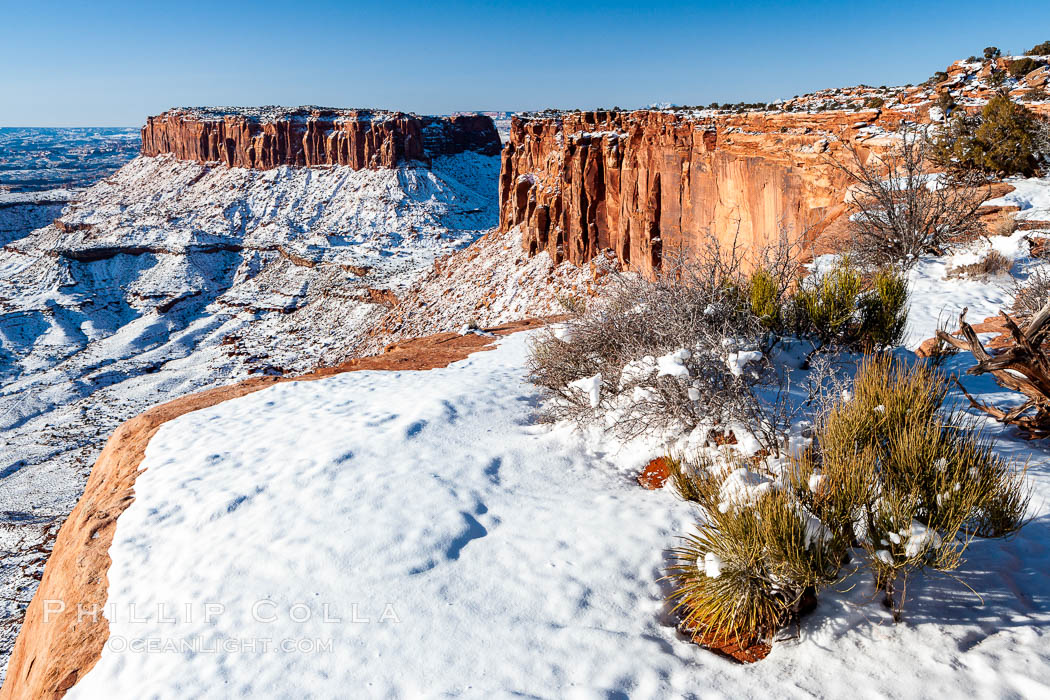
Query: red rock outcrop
{"points": [[645, 182], [311, 136]]}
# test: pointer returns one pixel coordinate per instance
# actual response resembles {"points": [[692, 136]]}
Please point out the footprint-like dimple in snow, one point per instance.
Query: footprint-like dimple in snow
{"points": [[474, 531], [492, 470]]}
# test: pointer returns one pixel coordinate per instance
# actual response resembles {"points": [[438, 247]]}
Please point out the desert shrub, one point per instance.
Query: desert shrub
{"points": [[744, 572], [1031, 294], [884, 310], [1005, 140], [912, 483], [996, 78], [765, 298], [874, 102], [1042, 49], [994, 263], [991, 53], [1038, 94], [891, 481], [898, 215], [939, 351], [1005, 226], [938, 77], [1022, 67], [945, 101], [842, 307], [656, 355], [663, 355]]}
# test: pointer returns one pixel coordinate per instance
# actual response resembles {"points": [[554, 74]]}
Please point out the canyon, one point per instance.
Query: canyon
{"points": [[257, 244]]}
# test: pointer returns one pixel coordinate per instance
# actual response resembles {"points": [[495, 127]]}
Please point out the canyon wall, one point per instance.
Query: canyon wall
{"points": [[646, 182], [266, 138]]}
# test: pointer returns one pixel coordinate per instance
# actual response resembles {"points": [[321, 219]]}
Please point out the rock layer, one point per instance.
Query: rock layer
{"points": [[312, 136], [646, 182]]}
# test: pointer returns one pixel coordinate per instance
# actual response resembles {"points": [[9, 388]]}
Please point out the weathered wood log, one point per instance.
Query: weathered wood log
{"points": [[1023, 367]]}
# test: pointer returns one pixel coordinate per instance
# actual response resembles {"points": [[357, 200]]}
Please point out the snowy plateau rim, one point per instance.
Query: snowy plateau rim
{"points": [[54, 650]]}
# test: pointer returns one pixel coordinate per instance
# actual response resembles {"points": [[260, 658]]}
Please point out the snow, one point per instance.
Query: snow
{"points": [[742, 488], [936, 298], [183, 277], [712, 566], [463, 549], [737, 361], [592, 386], [673, 364], [1030, 195]]}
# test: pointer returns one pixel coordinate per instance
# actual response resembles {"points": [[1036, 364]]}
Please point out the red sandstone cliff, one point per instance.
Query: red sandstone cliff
{"points": [[643, 182], [309, 136]]}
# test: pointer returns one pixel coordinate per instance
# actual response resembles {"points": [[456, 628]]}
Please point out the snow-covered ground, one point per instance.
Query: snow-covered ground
{"points": [[403, 534], [169, 277], [392, 534], [493, 282]]}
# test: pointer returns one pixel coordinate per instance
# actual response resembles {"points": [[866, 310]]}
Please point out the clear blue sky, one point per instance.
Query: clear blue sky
{"points": [[112, 63]]}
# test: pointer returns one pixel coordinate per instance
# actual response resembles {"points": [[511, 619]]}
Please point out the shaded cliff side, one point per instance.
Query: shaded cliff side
{"points": [[269, 137], [645, 182]]}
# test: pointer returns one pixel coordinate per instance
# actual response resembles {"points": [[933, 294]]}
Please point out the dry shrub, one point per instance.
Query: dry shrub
{"points": [[897, 214], [1031, 294], [605, 366], [1005, 226], [992, 264], [940, 350]]}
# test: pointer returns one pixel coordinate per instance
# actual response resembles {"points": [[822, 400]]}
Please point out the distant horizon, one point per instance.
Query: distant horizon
{"points": [[112, 64]]}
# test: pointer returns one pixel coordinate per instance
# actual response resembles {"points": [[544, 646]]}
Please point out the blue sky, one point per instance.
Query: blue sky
{"points": [[113, 63]]}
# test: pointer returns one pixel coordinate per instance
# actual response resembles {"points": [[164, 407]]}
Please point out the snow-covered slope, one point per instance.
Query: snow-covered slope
{"points": [[406, 534], [169, 277]]}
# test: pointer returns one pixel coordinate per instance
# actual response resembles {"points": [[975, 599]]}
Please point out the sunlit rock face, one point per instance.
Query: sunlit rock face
{"points": [[647, 182], [268, 137]]}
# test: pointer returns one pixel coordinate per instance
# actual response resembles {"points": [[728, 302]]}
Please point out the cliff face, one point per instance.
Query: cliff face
{"points": [[643, 182], [309, 136]]}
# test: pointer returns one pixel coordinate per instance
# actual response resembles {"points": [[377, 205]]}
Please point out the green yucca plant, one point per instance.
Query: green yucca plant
{"points": [[744, 571], [742, 574]]}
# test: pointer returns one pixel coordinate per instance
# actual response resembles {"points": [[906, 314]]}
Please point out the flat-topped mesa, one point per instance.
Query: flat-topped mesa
{"points": [[268, 137], [645, 182]]}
